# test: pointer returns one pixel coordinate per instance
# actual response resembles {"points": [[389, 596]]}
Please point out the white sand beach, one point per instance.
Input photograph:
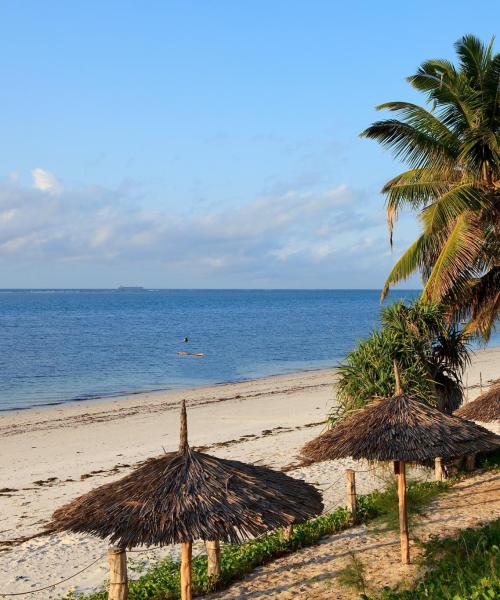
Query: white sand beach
{"points": [[52, 455]]}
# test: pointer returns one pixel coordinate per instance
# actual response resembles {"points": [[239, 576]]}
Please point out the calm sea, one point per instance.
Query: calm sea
{"points": [[64, 345]]}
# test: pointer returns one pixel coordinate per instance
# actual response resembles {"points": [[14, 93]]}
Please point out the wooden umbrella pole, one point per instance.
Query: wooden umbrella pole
{"points": [[397, 377], [438, 469], [183, 435], [403, 514], [118, 580], [186, 556], [213, 554]]}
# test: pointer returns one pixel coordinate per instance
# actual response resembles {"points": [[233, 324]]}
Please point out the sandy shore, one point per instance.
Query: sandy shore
{"points": [[52, 455]]}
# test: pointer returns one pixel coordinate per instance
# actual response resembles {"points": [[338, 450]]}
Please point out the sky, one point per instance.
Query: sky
{"points": [[207, 144]]}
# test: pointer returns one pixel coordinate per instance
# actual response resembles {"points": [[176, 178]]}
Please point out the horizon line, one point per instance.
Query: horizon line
{"points": [[153, 288]]}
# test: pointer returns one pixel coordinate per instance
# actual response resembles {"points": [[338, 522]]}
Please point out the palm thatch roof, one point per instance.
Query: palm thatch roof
{"points": [[400, 428], [188, 495], [485, 408]]}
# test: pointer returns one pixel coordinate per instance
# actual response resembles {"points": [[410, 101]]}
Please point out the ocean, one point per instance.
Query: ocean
{"points": [[67, 345]]}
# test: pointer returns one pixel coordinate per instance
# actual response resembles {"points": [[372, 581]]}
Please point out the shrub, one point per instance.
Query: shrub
{"points": [[431, 355], [418, 497]]}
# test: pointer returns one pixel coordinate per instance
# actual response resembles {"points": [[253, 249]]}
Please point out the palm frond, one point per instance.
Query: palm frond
{"points": [[412, 189], [423, 120], [457, 255], [474, 57], [415, 147], [409, 262], [483, 305], [450, 205], [446, 87]]}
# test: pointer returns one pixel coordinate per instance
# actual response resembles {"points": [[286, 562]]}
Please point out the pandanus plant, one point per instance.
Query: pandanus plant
{"points": [[432, 356]]}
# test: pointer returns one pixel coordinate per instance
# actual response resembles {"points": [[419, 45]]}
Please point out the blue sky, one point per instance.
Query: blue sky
{"points": [[206, 144]]}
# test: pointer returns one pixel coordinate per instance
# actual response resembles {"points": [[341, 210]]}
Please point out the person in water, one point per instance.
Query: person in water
{"points": [[186, 340]]}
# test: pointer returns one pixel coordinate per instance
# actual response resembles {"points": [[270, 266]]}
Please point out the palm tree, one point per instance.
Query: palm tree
{"points": [[452, 149]]}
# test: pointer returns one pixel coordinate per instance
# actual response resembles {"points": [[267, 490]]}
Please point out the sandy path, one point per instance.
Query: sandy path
{"points": [[52, 455], [311, 573]]}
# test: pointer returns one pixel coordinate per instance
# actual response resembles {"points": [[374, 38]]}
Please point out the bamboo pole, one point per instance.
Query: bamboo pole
{"points": [[118, 580], [480, 382], [351, 492], [403, 514], [213, 553], [186, 557], [438, 469]]}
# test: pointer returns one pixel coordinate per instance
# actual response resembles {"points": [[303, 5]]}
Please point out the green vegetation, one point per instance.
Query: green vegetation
{"points": [[452, 150], [418, 497], [489, 461], [431, 356], [466, 567], [353, 575], [163, 580]]}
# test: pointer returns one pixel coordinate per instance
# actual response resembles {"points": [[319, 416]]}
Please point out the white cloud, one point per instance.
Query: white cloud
{"points": [[45, 181], [101, 236], [276, 237], [7, 215], [290, 249]]}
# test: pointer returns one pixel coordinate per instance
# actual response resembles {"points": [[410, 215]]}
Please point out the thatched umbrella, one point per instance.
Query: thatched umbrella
{"points": [[484, 409], [399, 429], [187, 495]]}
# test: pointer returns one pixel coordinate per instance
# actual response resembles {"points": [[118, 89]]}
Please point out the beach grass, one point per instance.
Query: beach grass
{"points": [[419, 496]]}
